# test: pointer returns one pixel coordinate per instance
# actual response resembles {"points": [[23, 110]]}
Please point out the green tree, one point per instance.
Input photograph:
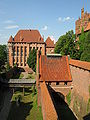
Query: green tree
{"points": [[81, 41], [31, 61], [3, 55], [85, 56], [66, 45]]}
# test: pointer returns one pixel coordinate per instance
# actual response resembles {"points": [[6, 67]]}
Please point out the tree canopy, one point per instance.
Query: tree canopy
{"points": [[80, 50], [3, 54], [66, 45], [85, 56], [31, 61]]}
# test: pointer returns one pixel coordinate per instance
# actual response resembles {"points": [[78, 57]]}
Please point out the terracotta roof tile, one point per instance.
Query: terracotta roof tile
{"points": [[54, 69], [49, 43], [10, 39], [80, 64], [28, 36]]}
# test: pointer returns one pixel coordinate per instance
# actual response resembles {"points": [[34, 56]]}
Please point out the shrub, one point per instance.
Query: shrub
{"points": [[68, 97], [31, 61]]}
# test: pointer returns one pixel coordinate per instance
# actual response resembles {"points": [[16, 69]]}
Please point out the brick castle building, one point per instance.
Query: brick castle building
{"points": [[83, 22], [49, 46], [23, 42]]}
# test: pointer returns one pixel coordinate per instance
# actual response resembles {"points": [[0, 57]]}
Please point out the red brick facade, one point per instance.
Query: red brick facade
{"points": [[83, 22], [22, 43], [49, 46]]}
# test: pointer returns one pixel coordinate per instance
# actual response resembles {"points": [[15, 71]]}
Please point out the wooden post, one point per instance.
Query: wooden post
{"points": [[23, 90]]}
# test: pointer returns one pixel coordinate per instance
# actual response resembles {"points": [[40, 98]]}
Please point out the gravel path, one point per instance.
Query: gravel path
{"points": [[6, 107]]}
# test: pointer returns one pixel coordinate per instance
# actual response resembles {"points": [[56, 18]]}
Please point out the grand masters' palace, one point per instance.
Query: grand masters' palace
{"points": [[24, 41]]}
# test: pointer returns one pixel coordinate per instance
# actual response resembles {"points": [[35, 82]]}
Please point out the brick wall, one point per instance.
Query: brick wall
{"points": [[81, 81], [80, 92], [48, 110], [49, 50]]}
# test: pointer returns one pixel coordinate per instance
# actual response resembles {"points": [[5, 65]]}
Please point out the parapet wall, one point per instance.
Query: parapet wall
{"points": [[48, 109], [80, 72], [80, 94]]}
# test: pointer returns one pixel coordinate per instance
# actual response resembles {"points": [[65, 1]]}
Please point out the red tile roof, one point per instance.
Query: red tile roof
{"points": [[54, 69], [28, 36], [10, 39], [49, 43], [80, 64]]}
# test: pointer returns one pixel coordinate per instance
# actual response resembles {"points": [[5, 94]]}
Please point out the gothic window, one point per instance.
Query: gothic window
{"points": [[17, 59], [21, 59], [21, 51], [14, 51], [17, 51], [25, 51], [65, 83]]}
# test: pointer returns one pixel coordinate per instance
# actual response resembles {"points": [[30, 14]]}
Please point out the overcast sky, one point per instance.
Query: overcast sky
{"points": [[51, 17]]}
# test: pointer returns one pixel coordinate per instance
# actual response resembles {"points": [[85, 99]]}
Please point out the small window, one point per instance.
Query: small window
{"points": [[40, 48], [65, 83], [57, 83], [49, 83]]}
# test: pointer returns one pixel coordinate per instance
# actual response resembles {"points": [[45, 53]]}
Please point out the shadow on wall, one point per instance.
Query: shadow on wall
{"points": [[19, 112], [87, 117], [62, 108]]}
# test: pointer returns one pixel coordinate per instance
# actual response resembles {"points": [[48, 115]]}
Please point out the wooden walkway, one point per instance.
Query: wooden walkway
{"points": [[18, 83], [21, 82]]}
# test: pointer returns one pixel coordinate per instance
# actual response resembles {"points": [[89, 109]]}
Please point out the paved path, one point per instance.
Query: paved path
{"points": [[6, 107], [25, 74]]}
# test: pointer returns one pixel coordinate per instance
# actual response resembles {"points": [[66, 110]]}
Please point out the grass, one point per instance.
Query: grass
{"points": [[21, 76], [88, 105], [68, 97], [28, 109], [89, 90], [31, 76]]}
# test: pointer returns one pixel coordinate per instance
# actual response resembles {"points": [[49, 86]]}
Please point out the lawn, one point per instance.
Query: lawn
{"points": [[31, 76], [28, 109]]}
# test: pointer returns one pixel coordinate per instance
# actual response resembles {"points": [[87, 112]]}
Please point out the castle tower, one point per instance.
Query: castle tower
{"points": [[82, 12]]}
